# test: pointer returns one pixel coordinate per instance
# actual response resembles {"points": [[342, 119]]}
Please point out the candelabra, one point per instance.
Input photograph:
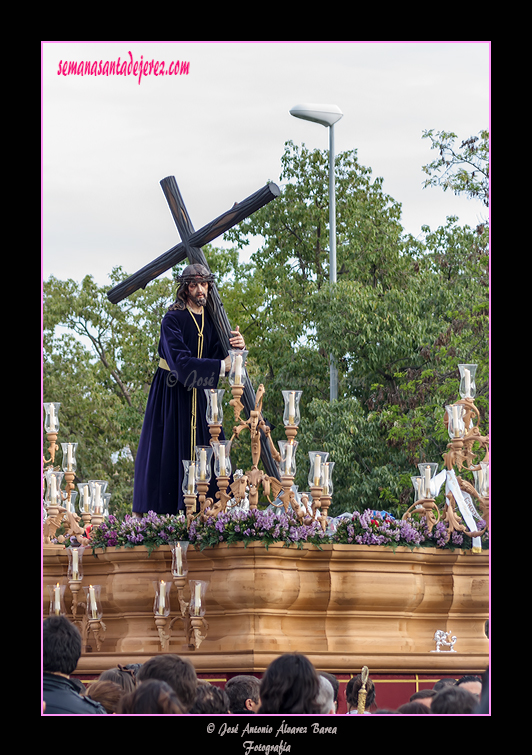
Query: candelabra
{"points": [[461, 419], [191, 612]]}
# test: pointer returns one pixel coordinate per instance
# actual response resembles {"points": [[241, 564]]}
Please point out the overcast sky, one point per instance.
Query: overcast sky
{"points": [[221, 129]]}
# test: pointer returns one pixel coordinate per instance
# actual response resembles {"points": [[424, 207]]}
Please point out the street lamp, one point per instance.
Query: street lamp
{"points": [[326, 115]]}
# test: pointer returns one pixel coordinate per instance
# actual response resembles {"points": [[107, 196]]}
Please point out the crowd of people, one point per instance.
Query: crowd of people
{"points": [[168, 684]]}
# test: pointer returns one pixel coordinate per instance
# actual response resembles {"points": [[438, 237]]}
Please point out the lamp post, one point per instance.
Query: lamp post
{"points": [[326, 115]]}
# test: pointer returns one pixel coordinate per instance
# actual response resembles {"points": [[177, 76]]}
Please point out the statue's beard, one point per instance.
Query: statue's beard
{"points": [[199, 301]]}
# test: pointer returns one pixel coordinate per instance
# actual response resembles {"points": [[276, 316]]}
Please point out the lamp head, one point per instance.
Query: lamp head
{"points": [[327, 115]]}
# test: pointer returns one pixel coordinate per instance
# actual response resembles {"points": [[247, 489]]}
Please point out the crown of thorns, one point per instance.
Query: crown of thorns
{"points": [[195, 276]]}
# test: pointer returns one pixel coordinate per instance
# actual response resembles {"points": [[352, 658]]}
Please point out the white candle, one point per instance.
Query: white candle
{"points": [[179, 560], [325, 478], [455, 421], [57, 599], [52, 417], [94, 606], [69, 457], [238, 370], [197, 599], [97, 500], [53, 490], [190, 484], [214, 404], [467, 381], [222, 461], [162, 591], [317, 470], [291, 407], [427, 482], [203, 464], [75, 564], [86, 498], [288, 461]]}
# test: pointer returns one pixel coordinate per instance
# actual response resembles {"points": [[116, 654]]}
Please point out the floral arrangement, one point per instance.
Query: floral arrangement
{"points": [[273, 526]]}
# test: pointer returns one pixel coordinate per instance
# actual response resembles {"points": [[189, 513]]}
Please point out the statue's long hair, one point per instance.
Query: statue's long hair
{"points": [[190, 274]]}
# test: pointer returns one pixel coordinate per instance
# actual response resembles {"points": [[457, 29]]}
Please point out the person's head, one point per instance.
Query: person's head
{"points": [[289, 685], [471, 683], [454, 699], [423, 696], [413, 709], [243, 692], [195, 284], [325, 697], [335, 685], [61, 643], [446, 682], [120, 675], [210, 699], [151, 697], [354, 685], [106, 693], [178, 672]]}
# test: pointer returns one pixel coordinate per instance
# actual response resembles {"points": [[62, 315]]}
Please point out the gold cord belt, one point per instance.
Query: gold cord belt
{"points": [[194, 390]]}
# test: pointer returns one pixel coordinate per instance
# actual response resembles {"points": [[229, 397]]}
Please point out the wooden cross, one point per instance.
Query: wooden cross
{"points": [[190, 246]]}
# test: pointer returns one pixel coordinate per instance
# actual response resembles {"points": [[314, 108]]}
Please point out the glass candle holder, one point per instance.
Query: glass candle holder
{"points": [[418, 485], [75, 563], [53, 488], [57, 605], [237, 372], [291, 414], [106, 498], [70, 503], [204, 456], [97, 488], [161, 604], [69, 456], [427, 470], [188, 485], [222, 460], [84, 504], [327, 483], [482, 479], [198, 588], [93, 602], [317, 460], [179, 558], [214, 414], [467, 388], [456, 424], [287, 465], [51, 417]]}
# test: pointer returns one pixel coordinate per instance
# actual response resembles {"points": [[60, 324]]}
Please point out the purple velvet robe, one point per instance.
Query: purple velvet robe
{"points": [[167, 438]]}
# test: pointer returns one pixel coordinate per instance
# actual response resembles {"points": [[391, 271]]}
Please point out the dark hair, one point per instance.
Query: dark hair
{"points": [[290, 685], [454, 699], [106, 693], [442, 683], [413, 709], [191, 274], [422, 694], [120, 675], [210, 699], [468, 678], [352, 690], [61, 642], [178, 672], [151, 697], [241, 688]]}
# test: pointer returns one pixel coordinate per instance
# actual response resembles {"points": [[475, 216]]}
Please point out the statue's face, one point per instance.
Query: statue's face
{"points": [[197, 293]]}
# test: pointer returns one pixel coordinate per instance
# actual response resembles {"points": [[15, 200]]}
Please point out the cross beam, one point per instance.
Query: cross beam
{"points": [[178, 253], [190, 246]]}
